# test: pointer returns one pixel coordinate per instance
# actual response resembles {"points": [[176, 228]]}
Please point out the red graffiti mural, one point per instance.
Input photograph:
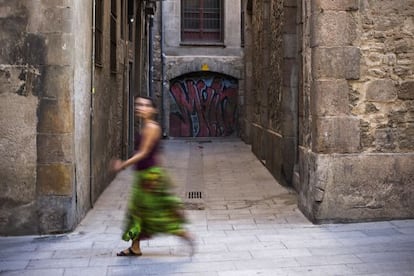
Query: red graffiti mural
{"points": [[203, 106]]}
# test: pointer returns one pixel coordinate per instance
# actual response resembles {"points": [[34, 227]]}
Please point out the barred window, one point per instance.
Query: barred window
{"points": [[202, 20]]}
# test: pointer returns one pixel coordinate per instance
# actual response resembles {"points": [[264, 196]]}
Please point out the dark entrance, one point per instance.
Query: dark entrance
{"points": [[203, 104]]}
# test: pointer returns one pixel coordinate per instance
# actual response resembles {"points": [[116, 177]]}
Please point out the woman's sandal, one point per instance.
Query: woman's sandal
{"points": [[129, 253]]}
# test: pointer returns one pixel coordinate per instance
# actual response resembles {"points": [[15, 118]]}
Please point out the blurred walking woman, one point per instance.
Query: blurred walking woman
{"points": [[152, 209]]}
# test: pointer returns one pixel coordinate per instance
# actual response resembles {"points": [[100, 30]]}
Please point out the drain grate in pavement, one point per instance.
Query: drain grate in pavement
{"points": [[194, 195]]}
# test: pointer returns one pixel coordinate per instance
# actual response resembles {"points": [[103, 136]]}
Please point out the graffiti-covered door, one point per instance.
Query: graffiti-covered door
{"points": [[203, 105]]}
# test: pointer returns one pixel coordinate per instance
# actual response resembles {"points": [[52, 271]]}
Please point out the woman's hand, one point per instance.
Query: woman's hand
{"points": [[116, 165]]}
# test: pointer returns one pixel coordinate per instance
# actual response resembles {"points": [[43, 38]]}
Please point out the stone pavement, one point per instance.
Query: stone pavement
{"points": [[245, 223]]}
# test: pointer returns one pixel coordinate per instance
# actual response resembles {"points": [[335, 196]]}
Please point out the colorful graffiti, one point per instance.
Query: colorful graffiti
{"points": [[203, 106]]}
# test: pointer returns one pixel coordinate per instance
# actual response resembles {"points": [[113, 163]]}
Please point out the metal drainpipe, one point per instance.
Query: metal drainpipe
{"points": [[150, 55], [91, 105], [164, 134]]}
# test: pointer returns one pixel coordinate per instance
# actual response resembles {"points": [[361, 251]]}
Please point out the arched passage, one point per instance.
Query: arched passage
{"points": [[203, 104]]}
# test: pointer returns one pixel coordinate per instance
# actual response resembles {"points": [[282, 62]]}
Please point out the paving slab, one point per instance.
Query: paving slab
{"points": [[245, 223]]}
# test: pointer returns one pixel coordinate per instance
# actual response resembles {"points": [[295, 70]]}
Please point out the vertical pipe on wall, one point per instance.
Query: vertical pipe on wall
{"points": [[150, 54], [162, 109], [91, 105]]}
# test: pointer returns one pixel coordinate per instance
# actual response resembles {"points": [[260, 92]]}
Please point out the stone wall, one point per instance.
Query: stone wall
{"points": [[356, 151], [383, 98], [36, 106], [272, 106], [45, 107]]}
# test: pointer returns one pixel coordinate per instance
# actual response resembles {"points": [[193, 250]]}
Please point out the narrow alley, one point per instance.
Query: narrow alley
{"points": [[245, 223]]}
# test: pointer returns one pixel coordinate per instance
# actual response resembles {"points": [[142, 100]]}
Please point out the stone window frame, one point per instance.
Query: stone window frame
{"points": [[202, 35]]}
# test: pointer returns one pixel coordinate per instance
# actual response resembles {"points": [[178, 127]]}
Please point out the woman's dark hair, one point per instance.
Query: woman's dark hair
{"points": [[148, 98]]}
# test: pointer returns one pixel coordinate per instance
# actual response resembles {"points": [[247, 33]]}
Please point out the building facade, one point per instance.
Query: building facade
{"points": [[68, 73], [332, 90], [198, 67]]}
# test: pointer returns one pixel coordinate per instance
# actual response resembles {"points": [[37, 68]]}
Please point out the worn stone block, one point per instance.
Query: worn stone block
{"points": [[55, 179], [57, 82], [55, 214], [290, 3], [59, 48], [391, 6], [11, 82], [343, 5], [406, 91], [289, 149], [330, 98], [336, 62], [406, 138], [290, 70], [52, 3], [18, 149], [55, 116], [306, 199], [336, 135], [365, 186], [290, 46], [19, 220], [273, 154], [279, 156], [257, 141], [385, 139], [333, 29], [289, 26], [55, 19], [54, 148], [383, 90]]}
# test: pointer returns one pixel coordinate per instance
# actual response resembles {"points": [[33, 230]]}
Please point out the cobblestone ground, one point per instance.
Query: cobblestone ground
{"points": [[245, 223]]}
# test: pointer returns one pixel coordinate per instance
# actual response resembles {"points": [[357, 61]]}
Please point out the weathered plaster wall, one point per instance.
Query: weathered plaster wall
{"points": [[36, 62], [82, 101], [356, 148], [19, 80], [45, 81]]}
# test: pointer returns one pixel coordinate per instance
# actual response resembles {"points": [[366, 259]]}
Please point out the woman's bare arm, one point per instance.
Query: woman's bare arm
{"points": [[150, 136]]}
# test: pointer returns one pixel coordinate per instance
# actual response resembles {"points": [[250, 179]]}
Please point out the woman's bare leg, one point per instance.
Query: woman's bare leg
{"points": [[134, 250]]}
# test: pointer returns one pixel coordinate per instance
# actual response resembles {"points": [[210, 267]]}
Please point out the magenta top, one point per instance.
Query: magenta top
{"points": [[148, 161]]}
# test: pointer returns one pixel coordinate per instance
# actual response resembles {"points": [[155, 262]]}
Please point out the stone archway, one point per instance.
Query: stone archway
{"points": [[203, 104]]}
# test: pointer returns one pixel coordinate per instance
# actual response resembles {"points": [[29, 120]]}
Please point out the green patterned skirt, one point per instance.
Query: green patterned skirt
{"points": [[152, 209]]}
